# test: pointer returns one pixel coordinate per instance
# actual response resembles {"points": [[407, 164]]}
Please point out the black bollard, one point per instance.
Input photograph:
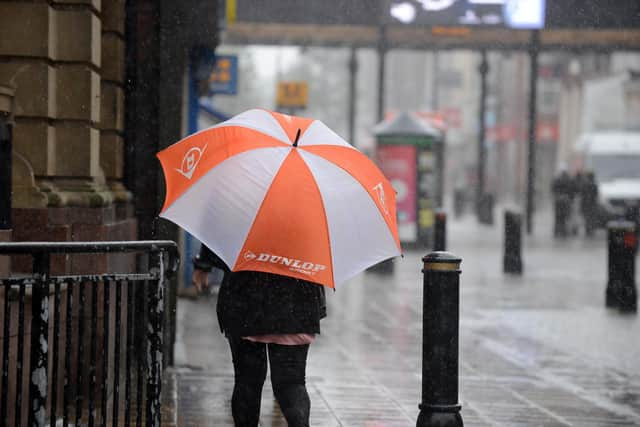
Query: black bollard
{"points": [[485, 209], [383, 267], [440, 231], [458, 202], [512, 260], [632, 213], [621, 286], [440, 319]]}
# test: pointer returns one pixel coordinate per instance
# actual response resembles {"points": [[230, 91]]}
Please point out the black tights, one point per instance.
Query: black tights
{"points": [[288, 365]]}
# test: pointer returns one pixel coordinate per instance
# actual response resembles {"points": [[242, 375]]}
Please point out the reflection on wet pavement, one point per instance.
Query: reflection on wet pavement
{"points": [[535, 350]]}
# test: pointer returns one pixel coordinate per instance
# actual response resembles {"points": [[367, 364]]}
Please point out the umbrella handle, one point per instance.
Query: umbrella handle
{"points": [[295, 143]]}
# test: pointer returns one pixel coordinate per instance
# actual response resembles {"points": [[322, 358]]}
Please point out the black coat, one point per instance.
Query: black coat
{"points": [[257, 303]]}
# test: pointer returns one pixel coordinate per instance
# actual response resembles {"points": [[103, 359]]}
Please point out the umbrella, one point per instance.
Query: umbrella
{"points": [[281, 194]]}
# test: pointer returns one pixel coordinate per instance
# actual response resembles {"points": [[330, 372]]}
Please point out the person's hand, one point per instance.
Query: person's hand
{"points": [[200, 279]]}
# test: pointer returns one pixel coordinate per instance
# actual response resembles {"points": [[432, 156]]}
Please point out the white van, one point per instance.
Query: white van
{"points": [[614, 158]]}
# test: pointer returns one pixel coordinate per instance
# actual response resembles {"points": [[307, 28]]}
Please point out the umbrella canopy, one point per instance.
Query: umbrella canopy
{"points": [[281, 194]]}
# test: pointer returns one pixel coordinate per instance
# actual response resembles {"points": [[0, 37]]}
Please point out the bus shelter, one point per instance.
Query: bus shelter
{"points": [[410, 152]]}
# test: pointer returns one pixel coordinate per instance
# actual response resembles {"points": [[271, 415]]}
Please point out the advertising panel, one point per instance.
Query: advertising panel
{"points": [[516, 14], [398, 163]]}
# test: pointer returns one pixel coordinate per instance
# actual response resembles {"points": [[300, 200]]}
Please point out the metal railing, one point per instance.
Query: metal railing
{"points": [[106, 331]]}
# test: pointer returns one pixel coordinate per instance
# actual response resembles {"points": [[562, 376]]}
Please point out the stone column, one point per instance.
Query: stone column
{"points": [[51, 54], [65, 61]]}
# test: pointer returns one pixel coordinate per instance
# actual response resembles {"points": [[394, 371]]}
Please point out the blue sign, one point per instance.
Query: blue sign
{"points": [[224, 77]]}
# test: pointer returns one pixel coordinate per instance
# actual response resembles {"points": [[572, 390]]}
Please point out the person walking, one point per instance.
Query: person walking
{"points": [[562, 189], [265, 316], [574, 220], [589, 202]]}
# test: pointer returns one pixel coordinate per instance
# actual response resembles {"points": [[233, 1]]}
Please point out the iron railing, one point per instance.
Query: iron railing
{"points": [[106, 330]]}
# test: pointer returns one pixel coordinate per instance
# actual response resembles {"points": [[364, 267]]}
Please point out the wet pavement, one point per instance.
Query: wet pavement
{"points": [[538, 349]]}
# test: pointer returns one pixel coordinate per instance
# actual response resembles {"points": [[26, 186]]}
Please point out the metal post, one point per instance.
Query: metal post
{"points": [[382, 53], [387, 266], [531, 155], [170, 322], [512, 260], [155, 344], [459, 196], [440, 317], [435, 73], [38, 381], [621, 286], [353, 74], [440, 231], [483, 69], [6, 124]]}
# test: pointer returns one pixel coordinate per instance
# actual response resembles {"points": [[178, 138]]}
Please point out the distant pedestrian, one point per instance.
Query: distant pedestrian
{"points": [[574, 223], [264, 314], [589, 202], [563, 191]]}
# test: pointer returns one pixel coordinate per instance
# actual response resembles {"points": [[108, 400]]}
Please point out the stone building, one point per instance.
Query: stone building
{"points": [[96, 88], [90, 90]]}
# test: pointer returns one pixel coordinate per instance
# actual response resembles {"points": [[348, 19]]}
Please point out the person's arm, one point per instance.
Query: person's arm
{"points": [[206, 260], [202, 265]]}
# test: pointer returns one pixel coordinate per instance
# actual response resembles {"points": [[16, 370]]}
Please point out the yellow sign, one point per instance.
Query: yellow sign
{"points": [[425, 218], [292, 94]]}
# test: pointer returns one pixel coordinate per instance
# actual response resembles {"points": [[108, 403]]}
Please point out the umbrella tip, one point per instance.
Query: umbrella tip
{"points": [[295, 143]]}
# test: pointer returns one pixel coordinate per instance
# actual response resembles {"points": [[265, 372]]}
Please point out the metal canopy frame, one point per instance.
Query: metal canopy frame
{"points": [[385, 37], [430, 38]]}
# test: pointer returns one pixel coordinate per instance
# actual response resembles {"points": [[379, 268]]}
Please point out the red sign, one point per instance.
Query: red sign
{"points": [[546, 132]]}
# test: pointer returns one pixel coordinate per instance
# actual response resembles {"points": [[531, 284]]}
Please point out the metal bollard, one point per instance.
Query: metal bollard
{"points": [[440, 319], [458, 202], [632, 213], [384, 267], [440, 231], [512, 260], [621, 286], [485, 209]]}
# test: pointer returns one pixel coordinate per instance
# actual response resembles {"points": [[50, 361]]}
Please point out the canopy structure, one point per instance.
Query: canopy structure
{"points": [[410, 152], [407, 128]]}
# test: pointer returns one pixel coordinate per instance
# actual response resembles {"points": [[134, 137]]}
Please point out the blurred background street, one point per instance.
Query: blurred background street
{"points": [[467, 107], [538, 349]]}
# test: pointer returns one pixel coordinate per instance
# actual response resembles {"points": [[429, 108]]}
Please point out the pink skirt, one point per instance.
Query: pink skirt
{"points": [[283, 339]]}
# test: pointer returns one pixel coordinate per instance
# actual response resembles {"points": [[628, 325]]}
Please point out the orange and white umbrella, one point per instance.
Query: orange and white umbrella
{"points": [[281, 194]]}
